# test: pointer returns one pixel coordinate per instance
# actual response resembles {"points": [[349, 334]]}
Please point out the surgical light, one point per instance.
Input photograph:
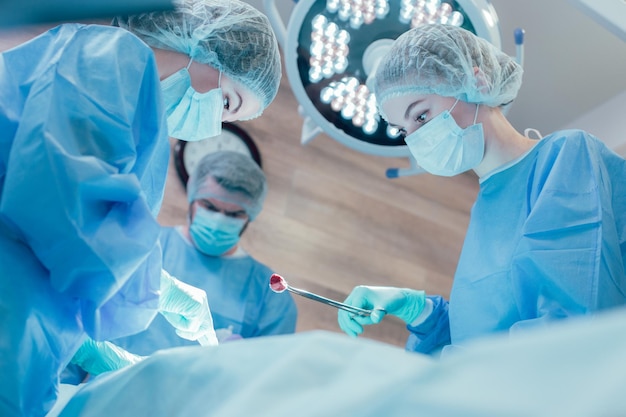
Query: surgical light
{"points": [[331, 47]]}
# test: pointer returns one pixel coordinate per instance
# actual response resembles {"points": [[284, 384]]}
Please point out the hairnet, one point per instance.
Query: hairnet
{"points": [[240, 181], [229, 35], [440, 59]]}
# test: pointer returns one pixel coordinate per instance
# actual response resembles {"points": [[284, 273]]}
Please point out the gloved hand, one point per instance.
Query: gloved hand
{"points": [[401, 302], [187, 309], [98, 357]]}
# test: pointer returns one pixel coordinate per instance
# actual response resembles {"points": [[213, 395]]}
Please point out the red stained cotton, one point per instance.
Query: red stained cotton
{"points": [[278, 283]]}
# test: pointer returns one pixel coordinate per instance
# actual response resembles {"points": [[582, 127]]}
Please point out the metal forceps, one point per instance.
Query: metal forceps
{"points": [[279, 284]]}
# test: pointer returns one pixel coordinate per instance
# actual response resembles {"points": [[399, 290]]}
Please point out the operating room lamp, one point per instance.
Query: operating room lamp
{"points": [[331, 47]]}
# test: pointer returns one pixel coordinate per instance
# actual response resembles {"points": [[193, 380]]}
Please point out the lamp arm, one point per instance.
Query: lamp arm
{"points": [[519, 45], [415, 169], [276, 21]]}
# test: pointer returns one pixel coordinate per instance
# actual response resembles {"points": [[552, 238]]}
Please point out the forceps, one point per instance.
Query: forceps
{"points": [[279, 284]]}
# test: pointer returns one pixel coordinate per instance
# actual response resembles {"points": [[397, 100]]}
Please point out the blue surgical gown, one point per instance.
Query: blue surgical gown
{"points": [[238, 290], [83, 162], [546, 240]]}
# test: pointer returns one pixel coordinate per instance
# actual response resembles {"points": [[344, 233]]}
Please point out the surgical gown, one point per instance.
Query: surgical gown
{"points": [[546, 240], [83, 162], [239, 295]]}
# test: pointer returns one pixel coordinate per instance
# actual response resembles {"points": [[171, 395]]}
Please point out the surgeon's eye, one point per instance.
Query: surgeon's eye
{"points": [[421, 118], [208, 205], [226, 103], [235, 214]]}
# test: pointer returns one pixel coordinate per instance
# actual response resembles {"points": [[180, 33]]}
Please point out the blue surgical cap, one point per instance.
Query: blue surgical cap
{"points": [[229, 35], [231, 177], [441, 59]]}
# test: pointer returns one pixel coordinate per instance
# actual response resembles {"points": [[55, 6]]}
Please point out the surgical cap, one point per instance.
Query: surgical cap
{"points": [[237, 179], [440, 59], [229, 35]]}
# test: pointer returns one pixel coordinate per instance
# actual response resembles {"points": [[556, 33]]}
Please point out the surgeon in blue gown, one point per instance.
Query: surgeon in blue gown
{"points": [[85, 112], [225, 193], [547, 234]]}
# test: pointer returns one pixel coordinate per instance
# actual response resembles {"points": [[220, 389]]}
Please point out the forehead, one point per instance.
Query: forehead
{"points": [[219, 196], [395, 107], [222, 205]]}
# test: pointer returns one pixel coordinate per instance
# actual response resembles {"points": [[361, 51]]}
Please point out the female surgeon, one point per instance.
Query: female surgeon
{"points": [[547, 233], [85, 112]]}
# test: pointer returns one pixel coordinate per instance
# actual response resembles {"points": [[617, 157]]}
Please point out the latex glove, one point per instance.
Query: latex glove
{"points": [[187, 309], [98, 357], [404, 303]]}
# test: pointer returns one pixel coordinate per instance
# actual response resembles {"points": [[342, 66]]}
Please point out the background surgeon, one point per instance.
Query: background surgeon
{"points": [[547, 234], [83, 161], [225, 192]]}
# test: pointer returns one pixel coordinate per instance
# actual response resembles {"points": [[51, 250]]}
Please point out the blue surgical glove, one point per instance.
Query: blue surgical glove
{"points": [[187, 309], [98, 357], [404, 303]]}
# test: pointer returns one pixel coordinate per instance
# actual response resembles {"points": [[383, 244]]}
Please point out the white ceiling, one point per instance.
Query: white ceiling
{"points": [[571, 63]]}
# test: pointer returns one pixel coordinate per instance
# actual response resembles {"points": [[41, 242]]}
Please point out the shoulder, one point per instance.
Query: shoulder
{"points": [[570, 142], [95, 49], [569, 149], [105, 36], [172, 235], [259, 270], [569, 160]]}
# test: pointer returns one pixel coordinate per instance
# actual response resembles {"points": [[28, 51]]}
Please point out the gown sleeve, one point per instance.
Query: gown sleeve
{"points": [[568, 261], [86, 172], [432, 334]]}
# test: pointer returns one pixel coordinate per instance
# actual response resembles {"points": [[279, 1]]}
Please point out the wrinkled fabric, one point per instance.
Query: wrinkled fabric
{"points": [[433, 334], [546, 241], [575, 368], [239, 295], [83, 162]]}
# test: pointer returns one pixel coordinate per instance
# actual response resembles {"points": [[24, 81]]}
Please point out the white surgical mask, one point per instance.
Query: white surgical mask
{"points": [[442, 148], [191, 116]]}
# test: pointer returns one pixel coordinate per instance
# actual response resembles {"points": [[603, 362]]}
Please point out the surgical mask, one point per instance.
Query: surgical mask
{"points": [[214, 233], [191, 116], [441, 147]]}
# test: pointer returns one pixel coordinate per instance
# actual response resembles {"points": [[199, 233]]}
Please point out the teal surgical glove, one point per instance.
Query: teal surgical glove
{"points": [[99, 357], [187, 309], [404, 303]]}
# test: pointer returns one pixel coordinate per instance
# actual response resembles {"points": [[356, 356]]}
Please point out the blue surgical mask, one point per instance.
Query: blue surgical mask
{"points": [[213, 233], [191, 116], [441, 147]]}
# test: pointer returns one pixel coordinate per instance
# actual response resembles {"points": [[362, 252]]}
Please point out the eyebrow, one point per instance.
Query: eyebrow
{"points": [[407, 113], [216, 208]]}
